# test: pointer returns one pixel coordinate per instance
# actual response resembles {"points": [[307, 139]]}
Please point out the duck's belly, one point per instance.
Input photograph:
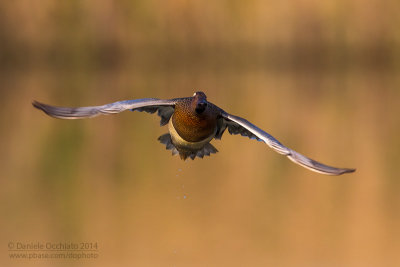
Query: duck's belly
{"points": [[182, 144]]}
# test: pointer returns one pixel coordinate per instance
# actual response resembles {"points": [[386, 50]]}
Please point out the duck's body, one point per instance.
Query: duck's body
{"points": [[192, 126], [195, 123], [192, 123]]}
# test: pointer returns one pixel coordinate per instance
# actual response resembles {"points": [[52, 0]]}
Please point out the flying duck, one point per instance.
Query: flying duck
{"points": [[192, 123]]}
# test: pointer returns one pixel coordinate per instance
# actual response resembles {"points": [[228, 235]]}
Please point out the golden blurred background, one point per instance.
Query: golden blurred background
{"points": [[321, 76]]}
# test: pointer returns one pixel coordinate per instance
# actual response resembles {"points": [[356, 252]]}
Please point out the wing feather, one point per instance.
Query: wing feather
{"points": [[165, 109], [238, 125]]}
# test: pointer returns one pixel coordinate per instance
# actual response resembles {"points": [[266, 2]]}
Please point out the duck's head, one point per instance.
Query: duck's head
{"points": [[199, 102]]}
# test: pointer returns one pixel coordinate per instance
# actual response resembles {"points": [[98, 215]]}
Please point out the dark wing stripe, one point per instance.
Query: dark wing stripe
{"points": [[165, 109], [233, 122], [237, 129], [257, 132]]}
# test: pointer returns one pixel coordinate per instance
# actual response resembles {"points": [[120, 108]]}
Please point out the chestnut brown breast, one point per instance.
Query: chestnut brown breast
{"points": [[191, 126]]}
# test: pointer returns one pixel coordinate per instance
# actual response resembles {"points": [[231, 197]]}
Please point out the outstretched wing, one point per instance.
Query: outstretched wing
{"points": [[165, 109], [237, 125]]}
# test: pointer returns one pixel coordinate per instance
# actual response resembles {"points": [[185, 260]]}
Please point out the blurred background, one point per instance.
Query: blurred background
{"points": [[321, 76]]}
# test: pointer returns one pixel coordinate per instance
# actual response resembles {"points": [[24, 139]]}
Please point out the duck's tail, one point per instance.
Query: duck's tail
{"points": [[206, 150]]}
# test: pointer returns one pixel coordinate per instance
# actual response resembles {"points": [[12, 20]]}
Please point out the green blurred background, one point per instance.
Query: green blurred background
{"points": [[321, 76]]}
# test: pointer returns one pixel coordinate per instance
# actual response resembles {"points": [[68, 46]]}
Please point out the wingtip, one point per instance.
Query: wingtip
{"points": [[41, 106], [36, 104], [348, 171]]}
